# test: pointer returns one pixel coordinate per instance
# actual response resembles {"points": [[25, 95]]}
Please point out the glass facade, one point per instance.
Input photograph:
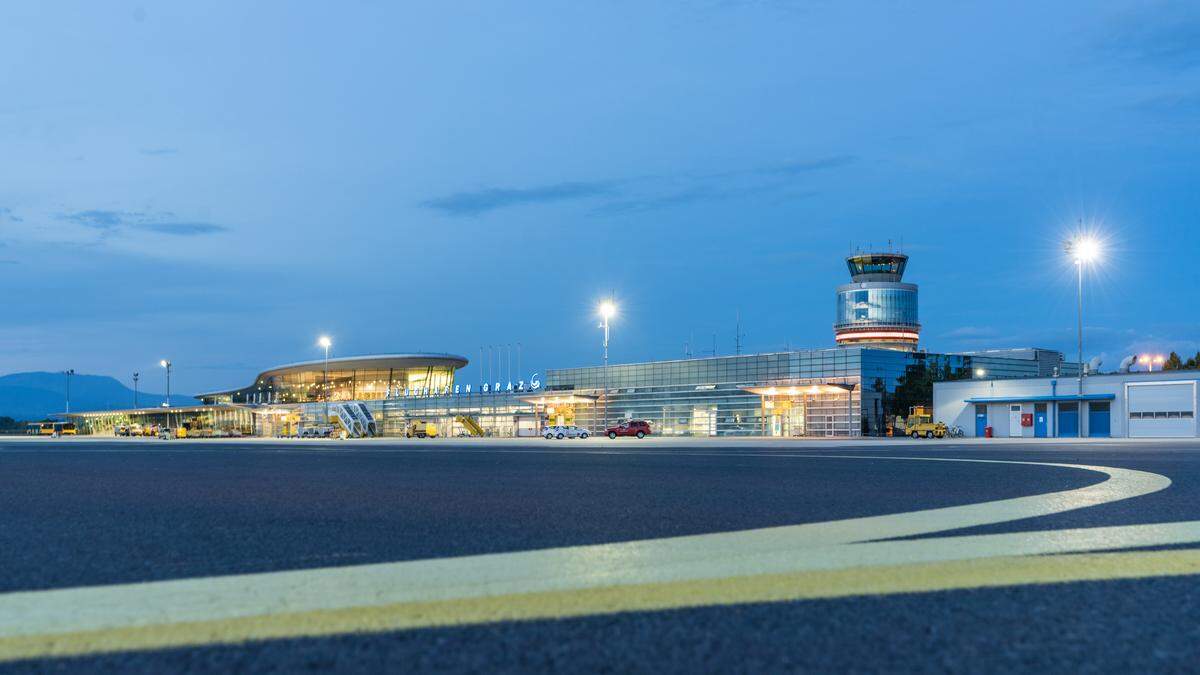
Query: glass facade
{"points": [[846, 391], [842, 391], [877, 305], [891, 264], [352, 379], [713, 397]]}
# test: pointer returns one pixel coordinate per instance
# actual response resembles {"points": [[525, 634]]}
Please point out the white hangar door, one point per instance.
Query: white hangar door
{"points": [[1161, 409]]}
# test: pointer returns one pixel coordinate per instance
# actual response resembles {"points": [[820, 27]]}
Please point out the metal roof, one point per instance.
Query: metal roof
{"points": [[365, 362], [160, 410], [1043, 399]]}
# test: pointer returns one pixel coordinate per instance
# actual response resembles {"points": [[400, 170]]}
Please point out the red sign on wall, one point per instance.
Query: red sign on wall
{"points": [[1026, 419]]}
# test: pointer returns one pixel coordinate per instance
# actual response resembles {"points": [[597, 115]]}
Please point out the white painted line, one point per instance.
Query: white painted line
{"points": [[829, 545]]}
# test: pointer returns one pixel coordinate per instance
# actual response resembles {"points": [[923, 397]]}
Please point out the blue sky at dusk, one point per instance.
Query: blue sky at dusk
{"points": [[219, 183]]}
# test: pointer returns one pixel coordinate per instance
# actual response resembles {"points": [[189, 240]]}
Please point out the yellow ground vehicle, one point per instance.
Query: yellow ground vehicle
{"points": [[420, 430], [51, 429], [39, 428], [472, 427], [920, 423]]}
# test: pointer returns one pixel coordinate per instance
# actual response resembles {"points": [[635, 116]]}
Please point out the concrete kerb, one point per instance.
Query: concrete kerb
{"points": [[598, 443]]}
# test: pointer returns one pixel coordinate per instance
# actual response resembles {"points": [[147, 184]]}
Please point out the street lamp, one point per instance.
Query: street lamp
{"points": [[167, 364], [980, 372], [607, 310], [325, 342], [69, 372], [1083, 249], [135, 389]]}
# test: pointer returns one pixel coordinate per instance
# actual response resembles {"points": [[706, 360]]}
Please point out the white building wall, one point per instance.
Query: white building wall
{"points": [[950, 406]]}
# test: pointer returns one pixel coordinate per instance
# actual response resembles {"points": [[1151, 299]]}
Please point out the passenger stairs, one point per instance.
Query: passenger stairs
{"points": [[365, 418], [345, 416], [470, 425]]}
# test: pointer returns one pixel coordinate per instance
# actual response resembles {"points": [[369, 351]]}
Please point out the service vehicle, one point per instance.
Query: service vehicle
{"points": [[421, 430], [54, 429], [920, 423], [638, 428]]}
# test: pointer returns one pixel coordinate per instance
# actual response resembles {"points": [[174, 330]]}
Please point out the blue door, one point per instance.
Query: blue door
{"points": [[1098, 419], [980, 419], [1068, 420], [1039, 420]]}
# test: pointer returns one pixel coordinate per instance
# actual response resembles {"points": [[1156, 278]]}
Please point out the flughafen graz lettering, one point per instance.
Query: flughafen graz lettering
{"points": [[534, 384]]}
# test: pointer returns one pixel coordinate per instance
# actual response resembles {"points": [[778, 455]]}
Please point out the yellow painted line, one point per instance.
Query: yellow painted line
{"points": [[877, 580], [809, 547]]}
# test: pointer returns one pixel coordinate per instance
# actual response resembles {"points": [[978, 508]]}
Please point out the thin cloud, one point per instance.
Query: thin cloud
{"points": [[7, 214], [809, 166], [111, 222], [159, 152], [477, 202], [655, 202], [1171, 105], [1163, 36], [98, 219], [182, 229], [702, 188], [972, 332]]}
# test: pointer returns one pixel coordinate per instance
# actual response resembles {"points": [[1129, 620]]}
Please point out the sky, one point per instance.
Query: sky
{"points": [[220, 183]]}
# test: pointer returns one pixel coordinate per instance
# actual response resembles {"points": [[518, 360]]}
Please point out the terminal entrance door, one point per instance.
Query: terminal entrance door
{"points": [[786, 418], [560, 415], [704, 421]]}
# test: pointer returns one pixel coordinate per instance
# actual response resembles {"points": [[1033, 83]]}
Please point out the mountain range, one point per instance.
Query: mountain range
{"points": [[35, 395]]}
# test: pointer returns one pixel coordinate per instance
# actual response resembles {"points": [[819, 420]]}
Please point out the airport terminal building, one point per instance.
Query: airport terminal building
{"points": [[875, 372]]}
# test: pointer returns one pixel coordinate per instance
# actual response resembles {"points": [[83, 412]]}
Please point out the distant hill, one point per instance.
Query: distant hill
{"points": [[34, 396]]}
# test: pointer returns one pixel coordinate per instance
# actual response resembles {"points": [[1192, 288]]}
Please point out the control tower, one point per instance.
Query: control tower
{"points": [[877, 309]]}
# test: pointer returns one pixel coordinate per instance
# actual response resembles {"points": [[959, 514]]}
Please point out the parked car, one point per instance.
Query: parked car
{"points": [[567, 431], [639, 428]]}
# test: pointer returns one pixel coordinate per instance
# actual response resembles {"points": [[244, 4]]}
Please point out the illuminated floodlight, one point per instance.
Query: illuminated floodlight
{"points": [[607, 309], [980, 372], [325, 342], [164, 363], [1084, 248]]}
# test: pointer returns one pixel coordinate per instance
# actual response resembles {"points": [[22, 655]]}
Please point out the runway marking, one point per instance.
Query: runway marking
{"points": [[881, 580], [573, 581]]}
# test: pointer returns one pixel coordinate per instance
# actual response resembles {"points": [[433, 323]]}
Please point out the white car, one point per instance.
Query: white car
{"points": [[569, 431]]}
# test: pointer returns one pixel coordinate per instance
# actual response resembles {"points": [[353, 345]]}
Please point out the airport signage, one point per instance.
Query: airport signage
{"points": [[534, 384]]}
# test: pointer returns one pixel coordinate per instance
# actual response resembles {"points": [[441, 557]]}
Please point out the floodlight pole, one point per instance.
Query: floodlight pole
{"points": [[69, 372], [1079, 303], [604, 425], [325, 383]]}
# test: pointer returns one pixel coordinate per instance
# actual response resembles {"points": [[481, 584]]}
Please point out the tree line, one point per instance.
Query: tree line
{"points": [[1173, 362]]}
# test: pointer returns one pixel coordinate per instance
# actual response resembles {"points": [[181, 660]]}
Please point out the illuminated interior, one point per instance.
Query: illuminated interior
{"points": [[348, 379]]}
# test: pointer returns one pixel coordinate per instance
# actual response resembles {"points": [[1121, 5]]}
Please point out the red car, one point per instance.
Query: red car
{"points": [[639, 428]]}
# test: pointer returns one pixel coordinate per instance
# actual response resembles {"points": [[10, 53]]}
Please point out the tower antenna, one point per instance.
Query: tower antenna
{"points": [[737, 335]]}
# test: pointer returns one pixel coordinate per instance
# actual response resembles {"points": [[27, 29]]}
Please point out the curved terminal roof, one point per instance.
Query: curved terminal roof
{"points": [[366, 362]]}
